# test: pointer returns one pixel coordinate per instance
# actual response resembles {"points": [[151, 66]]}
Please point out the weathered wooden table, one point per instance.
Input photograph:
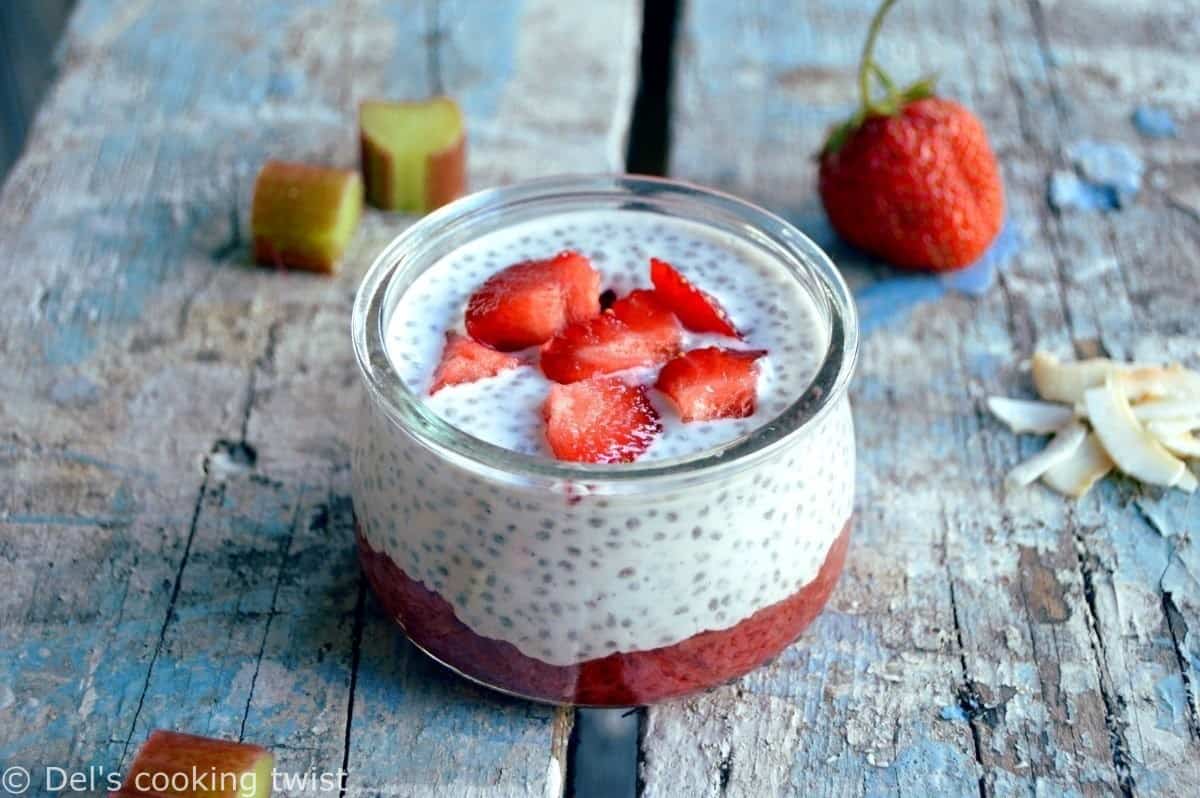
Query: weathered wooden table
{"points": [[175, 543]]}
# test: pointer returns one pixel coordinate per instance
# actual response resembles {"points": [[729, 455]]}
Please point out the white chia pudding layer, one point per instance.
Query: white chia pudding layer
{"points": [[567, 575]]}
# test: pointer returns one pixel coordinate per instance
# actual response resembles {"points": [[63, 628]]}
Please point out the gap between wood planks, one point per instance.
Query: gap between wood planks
{"points": [[604, 747], [649, 128]]}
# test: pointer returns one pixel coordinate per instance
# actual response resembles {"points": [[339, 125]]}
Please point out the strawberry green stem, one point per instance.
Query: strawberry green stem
{"points": [[893, 99], [868, 68], [867, 65]]}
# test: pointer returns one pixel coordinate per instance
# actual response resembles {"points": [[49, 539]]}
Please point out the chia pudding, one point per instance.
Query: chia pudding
{"points": [[607, 582]]}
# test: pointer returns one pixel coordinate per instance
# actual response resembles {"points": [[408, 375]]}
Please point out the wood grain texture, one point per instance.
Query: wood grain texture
{"points": [[980, 643], [175, 526]]}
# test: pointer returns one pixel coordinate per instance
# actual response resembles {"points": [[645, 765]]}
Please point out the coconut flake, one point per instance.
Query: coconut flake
{"points": [[1131, 447], [1169, 409], [1175, 411], [1029, 415], [1171, 427], [1157, 382], [1142, 416], [1060, 448], [1175, 439], [1086, 466], [1066, 382]]}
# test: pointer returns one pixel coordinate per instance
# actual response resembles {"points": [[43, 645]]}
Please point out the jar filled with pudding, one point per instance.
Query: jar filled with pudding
{"points": [[605, 455]]}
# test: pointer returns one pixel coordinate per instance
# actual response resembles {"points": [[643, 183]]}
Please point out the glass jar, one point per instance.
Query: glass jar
{"points": [[601, 585]]}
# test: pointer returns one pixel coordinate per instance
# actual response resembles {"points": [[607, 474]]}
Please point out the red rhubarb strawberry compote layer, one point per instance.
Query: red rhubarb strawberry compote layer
{"points": [[617, 339]]}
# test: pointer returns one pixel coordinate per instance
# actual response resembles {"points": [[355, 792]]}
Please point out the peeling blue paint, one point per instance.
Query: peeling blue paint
{"points": [[1154, 122], [69, 343], [58, 519], [286, 84], [927, 767], [53, 666], [1108, 175], [122, 502], [952, 712], [1170, 702], [1108, 164], [72, 456], [245, 73], [152, 241], [1068, 191]]}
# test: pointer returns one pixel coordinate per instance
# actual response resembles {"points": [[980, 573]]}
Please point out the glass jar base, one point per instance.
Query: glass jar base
{"points": [[700, 662]]}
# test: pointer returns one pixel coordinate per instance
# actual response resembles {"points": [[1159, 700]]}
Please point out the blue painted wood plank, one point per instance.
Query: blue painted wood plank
{"points": [[176, 531], [979, 641]]}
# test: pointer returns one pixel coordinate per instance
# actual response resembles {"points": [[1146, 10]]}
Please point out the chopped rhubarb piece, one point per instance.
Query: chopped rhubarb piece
{"points": [[176, 765], [603, 420], [414, 154], [467, 360], [698, 311], [711, 383], [638, 330], [528, 303], [302, 216]]}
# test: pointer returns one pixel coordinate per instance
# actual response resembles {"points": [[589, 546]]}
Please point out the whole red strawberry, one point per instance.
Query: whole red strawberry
{"points": [[911, 178]]}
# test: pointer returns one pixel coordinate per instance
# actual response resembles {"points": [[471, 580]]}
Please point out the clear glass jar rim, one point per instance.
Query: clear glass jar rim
{"points": [[388, 392]]}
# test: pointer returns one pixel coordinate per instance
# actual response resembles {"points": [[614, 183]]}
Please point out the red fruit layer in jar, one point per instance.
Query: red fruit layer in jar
{"points": [[701, 661]]}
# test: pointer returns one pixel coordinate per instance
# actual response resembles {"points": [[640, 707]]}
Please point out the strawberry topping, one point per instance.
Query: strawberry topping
{"points": [[698, 311], [467, 360], [602, 420], [529, 302], [712, 383], [638, 330]]}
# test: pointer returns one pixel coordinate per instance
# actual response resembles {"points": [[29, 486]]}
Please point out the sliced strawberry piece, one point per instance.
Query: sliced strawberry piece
{"points": [[596, 346], [698, 311], [527, 303], [655, 324], [580, 282], [712, 383], [643, 310], [603, 420], [467, 360], [637, 330]]}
